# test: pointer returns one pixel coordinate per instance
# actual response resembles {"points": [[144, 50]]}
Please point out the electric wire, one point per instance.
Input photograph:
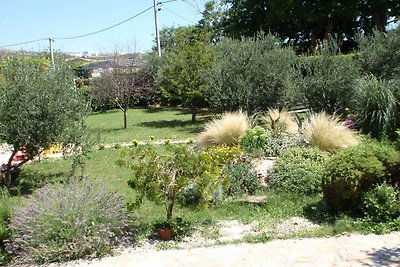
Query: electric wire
{"points": [[87, 34], [179, 16], [105, 29], [27, 42]]}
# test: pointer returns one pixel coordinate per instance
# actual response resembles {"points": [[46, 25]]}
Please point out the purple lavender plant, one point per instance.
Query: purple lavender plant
{"points": [[71, 221]]}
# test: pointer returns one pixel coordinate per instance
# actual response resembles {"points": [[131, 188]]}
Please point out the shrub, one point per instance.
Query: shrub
{"points": [[283, 141], [254, 140], [353, 171], [228, 129], [299, 169], [328, 80], [222, 154], [251, 74], [381, 204], [5, 214], [242, 178], [376, 107], [176, 168], [328, 133], [67, 222]]}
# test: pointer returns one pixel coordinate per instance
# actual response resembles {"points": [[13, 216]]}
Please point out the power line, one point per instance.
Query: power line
{"points": [[27, 42], [105, 29], [179, 16], [84, 35]]}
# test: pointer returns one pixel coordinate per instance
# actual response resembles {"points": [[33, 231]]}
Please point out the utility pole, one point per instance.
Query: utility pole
{"points": [[157, 31], [51, 51]]}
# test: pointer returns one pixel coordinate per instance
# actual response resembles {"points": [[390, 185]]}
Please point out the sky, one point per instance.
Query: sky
{"points": [[26, 20]]}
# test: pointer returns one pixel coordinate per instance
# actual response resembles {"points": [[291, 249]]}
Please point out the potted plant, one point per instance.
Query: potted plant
{"points": [[163, 176], [165, 230]]}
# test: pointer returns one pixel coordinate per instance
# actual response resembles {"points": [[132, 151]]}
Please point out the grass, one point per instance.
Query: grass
{"points": [[143, 123], [328, 133], [101, 165], [225, 130], [278, 206]]}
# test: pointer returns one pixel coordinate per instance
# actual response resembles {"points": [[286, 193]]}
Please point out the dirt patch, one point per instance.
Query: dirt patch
{"points": [[294, 225]]}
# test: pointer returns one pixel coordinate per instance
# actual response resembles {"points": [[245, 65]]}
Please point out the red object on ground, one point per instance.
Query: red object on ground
{"points": [[20, 156]]}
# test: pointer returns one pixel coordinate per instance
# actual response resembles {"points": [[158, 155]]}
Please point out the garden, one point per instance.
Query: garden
{"points": [[263, 144]]}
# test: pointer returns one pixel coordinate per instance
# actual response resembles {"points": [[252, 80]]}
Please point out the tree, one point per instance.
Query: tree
{"points": [[178, 169], [123, 85], [251, 74], [39, 106], [328, 81], [379, 54], [179, 78], [306, 22]]}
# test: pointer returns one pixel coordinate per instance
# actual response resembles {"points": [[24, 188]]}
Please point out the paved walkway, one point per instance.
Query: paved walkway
{"points": [[355, 250]]}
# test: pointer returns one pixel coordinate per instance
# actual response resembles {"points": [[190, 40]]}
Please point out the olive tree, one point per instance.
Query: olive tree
{"points": [[251, 74], [39, 106]]}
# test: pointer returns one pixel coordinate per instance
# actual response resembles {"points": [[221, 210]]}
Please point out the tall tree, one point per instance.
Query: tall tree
{"points": [[305, 22], [179, 79]]}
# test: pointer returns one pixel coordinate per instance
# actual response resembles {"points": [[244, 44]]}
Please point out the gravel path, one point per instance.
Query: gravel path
{"points": [[354, 250]]}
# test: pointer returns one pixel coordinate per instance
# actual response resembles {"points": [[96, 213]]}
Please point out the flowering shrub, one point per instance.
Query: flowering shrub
{"points": [[53, 149], [221, 154], [67, 222]]}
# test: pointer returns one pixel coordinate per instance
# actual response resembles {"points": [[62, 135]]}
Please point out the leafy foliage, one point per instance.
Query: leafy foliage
{"points": [[242, 177], [299, 169], [379, 54], [377, 107], [67, 222], [355, 170], [179, 78], [39, 107], [251, 74], [328, 133], [281, 142], [304, 23], [328, 80], [5, 214], [254, 140], [381, 204], [176, 168], [227, 130]]}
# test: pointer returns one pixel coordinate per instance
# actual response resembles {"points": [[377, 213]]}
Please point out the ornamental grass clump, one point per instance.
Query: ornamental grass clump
{"points": [[226, 130], [328, 133], [62, 222], [280, 121]]}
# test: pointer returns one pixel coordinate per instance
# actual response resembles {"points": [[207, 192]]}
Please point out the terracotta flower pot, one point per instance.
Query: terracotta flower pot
{"points": [[166, 234]]}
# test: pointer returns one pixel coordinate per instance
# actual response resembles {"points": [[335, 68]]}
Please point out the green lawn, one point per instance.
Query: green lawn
{"points": [[142, 123], [101, 165]]}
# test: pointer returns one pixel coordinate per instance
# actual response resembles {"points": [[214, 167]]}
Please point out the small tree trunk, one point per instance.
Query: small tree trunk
{"points": [[125, 118], [314, 42], [328, 30], [193, 110], [8, 176], [9, 169], [380, 18], [170, 207]]}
